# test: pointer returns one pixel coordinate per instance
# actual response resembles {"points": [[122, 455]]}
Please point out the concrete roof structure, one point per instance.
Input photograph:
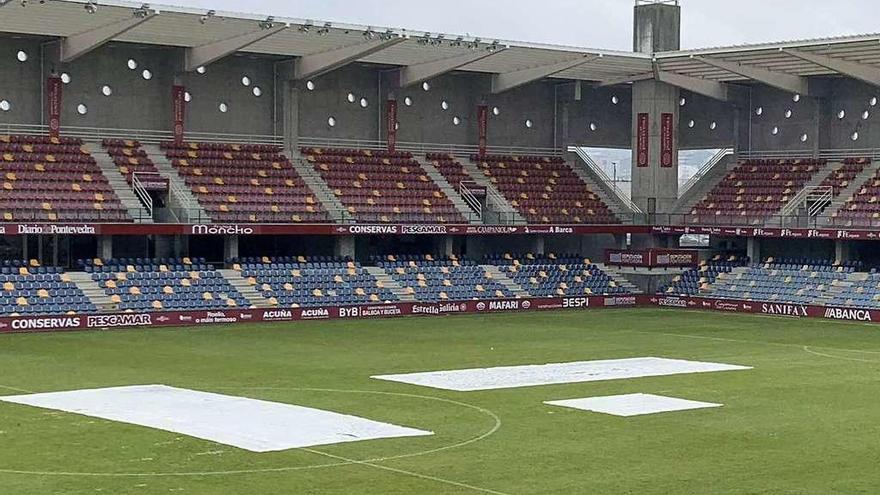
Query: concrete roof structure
{"points": [[83, 25]]}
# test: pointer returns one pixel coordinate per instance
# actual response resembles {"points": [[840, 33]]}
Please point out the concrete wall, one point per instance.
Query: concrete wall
{"points": [[774, 103], [613, 121], [854, 98], [329, 99], [248, 114], [656, 28], [534, 102], [703, 111], [20, 83]]}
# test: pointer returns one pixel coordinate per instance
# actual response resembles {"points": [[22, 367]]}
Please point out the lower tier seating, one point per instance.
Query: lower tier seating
{"points": [[294, 282], [798, 281], [430, 279], [28, 289], [164, 284], [690, 282], [556, 275]]}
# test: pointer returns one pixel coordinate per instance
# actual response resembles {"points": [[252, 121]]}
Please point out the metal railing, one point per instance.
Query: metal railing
{"points": [[141, 192], [602, 176], [704, 170], [422, 148], [813, 199], [470, 198], [143, 135]]}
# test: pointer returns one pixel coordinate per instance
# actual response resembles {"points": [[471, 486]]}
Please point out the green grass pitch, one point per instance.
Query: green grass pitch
{"points": [[803, 421]]}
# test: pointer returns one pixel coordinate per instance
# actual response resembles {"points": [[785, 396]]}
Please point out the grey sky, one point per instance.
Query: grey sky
{"points": [[589, 23]]}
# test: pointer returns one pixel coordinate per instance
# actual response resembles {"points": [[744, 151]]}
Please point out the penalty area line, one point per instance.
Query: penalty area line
{"points": [[407, 473]]}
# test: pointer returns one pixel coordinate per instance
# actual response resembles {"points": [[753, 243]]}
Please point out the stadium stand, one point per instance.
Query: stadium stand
{"points": [[755, 190], [690, 282], [451, 169], [840, 178], [382, 186], [556, 276], [544, 189], [299, 281], [245, 182], [863, 208], [798, 281], [28, 289], [129, 157], [136, 284], [432, 279], [54, 179]]}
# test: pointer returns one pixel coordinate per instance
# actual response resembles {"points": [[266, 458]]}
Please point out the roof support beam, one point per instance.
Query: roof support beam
{"points": [[416, 73], [77, 45], [625, 79], [855, 70], [324, 62], [203, 55], [700, 86], [785, 82], [510, 80]]}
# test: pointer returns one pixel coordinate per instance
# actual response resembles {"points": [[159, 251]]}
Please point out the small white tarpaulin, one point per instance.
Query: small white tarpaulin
{"points": [[551, 374], [632, 404], [250, 424]]}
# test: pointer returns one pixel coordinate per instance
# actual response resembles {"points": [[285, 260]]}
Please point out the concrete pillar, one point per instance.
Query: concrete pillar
{"points": [[290, 115], [656, 28], [841, 251], [753, 249], [446, 246], [230, 247], [620, 241], [538, 244], [24, 247], [344, 246], [164, 246], [181, 246], [105, 247]]}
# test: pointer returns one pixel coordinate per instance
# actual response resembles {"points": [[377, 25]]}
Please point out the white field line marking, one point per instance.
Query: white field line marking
{"points": [[754, 342], [14, 389], [815, 353], [408, 473], [482, 436]]}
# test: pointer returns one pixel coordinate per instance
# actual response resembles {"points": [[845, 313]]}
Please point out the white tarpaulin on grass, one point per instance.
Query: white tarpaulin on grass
{"points": [[632, 404], [255, 425], [550, 374]]}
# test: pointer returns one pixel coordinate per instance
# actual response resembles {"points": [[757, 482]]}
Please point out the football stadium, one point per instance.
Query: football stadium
{"points": [[251, 254]]}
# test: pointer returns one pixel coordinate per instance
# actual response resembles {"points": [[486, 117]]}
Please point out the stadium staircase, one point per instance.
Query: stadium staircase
{"points": [[504, 280], [704, 181], [180, 196], [389, 283], [622, 207], [839, 201], [449, 191], [619, 278], [117, 181], [322, 191], [249, 292], [92, 290], [494, 197]]}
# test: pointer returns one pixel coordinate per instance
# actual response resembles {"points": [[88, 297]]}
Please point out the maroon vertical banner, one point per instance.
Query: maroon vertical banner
{"points": [[482, 128], [642, 141], [53, 97], [667, 139], [391, 122], [178, 111]]}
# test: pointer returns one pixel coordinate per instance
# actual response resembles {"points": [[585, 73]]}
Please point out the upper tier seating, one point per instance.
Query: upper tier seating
{"points": [[556, 276], [431, 279], [842, 175], [245, 182], [56, 180], [129, 157], [382, 186], [690, 282], [163, 284], [544, 189], [863, 208], [28, 289], [300, 281], [451, 169], [797, 281], [754, 190]]}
